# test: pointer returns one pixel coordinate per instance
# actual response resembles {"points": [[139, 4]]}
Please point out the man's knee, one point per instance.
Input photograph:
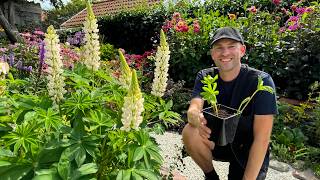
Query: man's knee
{"points": [[188, 133]]}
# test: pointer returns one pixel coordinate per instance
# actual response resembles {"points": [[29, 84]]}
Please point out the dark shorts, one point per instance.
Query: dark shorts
{"points": [[238, 161]]}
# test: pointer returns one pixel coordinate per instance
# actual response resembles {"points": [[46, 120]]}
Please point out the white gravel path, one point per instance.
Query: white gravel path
{"points": [[171, 145]]}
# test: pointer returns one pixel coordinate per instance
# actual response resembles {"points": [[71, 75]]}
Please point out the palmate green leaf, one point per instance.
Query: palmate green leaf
{"points": [[64, 167], [47, 174], [80, 156], [268, 88], [146, 174], [138, 153], [79, 102], [50, 118], [49, 156], [6, 153], [124, 175], [153, 151], [85, 169], [14, 171], [136, 176], [5, 163], [80, 145], [24, 136], [169, 105], [98, 119]]}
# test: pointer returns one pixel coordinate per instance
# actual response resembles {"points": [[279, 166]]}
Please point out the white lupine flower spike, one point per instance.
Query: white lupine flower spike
{"points": [[125, 77], [133, 106], [91, 39], [53, 59], [159, 84]]}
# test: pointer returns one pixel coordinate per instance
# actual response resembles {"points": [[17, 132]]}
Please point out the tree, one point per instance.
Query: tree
{"points": [[57, 16], [8, 24]]}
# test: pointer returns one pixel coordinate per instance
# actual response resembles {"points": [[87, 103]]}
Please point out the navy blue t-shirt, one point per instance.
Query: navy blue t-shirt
{"points": [[263, 102]]}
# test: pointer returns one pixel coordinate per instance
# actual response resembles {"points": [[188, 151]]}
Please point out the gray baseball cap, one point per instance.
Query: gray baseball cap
{"points": [[227, 33]]}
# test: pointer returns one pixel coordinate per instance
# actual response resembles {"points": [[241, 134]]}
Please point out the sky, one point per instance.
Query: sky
{"points": [[45, 4]]}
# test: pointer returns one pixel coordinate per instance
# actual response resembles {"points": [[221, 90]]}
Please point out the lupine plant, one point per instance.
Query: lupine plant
{"points": [[100, 131], [162, 66], [53, 59], [91, 47]]}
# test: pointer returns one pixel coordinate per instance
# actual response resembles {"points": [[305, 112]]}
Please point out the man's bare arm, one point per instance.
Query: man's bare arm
{"points": [[262, 129]]}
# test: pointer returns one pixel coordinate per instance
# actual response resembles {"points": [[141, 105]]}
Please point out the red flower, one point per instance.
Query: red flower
{"points": [[196, 26], [232, 16], [181, 26], [176, 15], [293, 8], [253, 9], [276, 2]]}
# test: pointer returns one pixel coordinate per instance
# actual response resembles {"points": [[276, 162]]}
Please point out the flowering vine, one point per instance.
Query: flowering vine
{"points": [[91, 39], [162, 66], [53, 59], [133, 105], [125, 77], [178, 24]]}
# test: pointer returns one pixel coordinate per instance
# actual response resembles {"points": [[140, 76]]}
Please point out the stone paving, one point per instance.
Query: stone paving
{"points": [[186, 169]]}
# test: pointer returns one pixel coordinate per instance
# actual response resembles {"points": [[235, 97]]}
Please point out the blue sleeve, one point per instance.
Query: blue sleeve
{"points": [[197, 89], [265, 102]]}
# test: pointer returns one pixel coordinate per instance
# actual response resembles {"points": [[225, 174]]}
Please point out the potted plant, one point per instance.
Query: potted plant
{"points": [[223, 120]]}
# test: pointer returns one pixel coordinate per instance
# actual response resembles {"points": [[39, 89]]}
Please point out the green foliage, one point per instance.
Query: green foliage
{"points": [[129, 27], [210, 92], [107, 51], [158, 110], [133, 153], [295, 131], [80, 139], [61, 14]]}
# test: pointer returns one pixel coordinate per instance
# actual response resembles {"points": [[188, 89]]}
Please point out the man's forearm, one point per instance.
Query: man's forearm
{"points": [[256, 156]]}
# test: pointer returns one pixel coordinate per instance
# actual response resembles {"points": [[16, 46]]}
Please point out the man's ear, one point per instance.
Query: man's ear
{"points": [[243, 50]]}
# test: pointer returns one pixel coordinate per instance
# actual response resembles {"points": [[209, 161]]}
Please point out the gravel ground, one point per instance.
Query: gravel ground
{"points": [[171, 146]]}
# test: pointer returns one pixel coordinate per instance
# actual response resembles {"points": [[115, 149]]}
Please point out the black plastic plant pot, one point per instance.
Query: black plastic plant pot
{"points": [[224, 125]]}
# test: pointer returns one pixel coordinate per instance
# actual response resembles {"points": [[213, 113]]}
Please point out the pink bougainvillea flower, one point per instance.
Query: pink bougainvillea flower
{"points": [[309, 9], [293, 23], [293, 7], [282, 29], [294, 26], [252, 9], [167, 25], [276, 2], [38, 32], [181, 26], [196, 26], [26, 34], [232, 16], [293, 19], [285, 11], [176, 15], [300, 10]]}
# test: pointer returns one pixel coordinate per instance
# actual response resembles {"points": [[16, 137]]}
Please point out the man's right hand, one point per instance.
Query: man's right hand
{"points": [[194, 117]]}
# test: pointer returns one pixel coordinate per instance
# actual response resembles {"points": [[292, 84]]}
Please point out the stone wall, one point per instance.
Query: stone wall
{"points": [[26, 13]]}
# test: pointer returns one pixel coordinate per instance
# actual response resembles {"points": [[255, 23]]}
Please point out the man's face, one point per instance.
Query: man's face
{"points": [[227, 54]]}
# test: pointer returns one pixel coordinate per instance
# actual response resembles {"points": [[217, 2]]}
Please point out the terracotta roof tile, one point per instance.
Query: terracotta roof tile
{"points": [[102, 8]]}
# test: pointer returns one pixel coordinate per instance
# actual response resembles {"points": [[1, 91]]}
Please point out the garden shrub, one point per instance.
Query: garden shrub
{"points": [[135, 31], [275, 43], [108, 52]]}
